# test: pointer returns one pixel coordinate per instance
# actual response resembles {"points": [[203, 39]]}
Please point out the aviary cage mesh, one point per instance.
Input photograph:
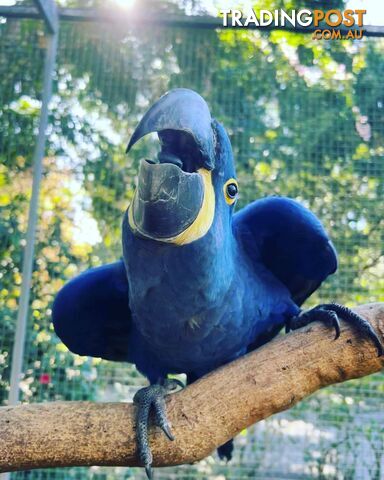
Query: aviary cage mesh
{"points": [[306, 119]]}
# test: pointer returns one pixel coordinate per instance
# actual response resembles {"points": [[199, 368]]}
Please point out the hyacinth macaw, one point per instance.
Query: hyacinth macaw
{"points": [[198, 285]]}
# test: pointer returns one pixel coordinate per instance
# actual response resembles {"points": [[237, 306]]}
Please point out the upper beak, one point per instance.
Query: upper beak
{"points": [[175, 201], [185, 111]]}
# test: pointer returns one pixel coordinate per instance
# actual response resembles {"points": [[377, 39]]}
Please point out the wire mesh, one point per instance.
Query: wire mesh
{"points": [[305, 119]]}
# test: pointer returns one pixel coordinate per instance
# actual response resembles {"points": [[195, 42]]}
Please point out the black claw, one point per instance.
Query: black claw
{"points": [[359, 322], [161, 418], [148, 471], [379, 346], [288, 326], [330, 314], [337, 328], [167, 432], [334, 319]]}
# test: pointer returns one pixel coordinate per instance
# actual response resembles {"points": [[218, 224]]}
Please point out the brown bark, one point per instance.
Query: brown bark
{"points": [[203, 416]]}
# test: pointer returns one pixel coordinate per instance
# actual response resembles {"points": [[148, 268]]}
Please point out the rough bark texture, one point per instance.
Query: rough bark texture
{"points": [[203, 416]]}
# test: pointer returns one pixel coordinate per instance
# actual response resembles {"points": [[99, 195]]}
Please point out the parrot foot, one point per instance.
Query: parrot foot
{"points": [[147, 399], [330, 314], [225, 451]]}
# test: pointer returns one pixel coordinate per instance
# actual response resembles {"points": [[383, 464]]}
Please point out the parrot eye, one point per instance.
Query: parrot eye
{"points": [[231, 189]]}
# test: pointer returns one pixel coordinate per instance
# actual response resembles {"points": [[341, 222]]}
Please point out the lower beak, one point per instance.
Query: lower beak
{"points": [[167, 201]]}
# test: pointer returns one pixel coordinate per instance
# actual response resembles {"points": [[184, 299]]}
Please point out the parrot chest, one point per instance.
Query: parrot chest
{"points": [[196, 331], [194, 308], [199, 340]]}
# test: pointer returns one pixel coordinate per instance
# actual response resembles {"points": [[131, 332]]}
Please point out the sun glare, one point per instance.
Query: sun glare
{"points": [[127, 4]]}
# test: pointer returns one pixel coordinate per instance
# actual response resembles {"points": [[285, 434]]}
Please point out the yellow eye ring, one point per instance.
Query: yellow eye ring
{"points": [[231, 188]]}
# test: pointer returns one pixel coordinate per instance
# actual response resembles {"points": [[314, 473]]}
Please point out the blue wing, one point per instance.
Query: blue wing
{"points": [[91, 313], [289, 240]]}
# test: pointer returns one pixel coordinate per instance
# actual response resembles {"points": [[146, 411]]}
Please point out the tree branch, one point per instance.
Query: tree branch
{"points": [[203, 416]]}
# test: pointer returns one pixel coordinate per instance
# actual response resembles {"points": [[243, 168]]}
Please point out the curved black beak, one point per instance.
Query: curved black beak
{"points": [[183, 122]]}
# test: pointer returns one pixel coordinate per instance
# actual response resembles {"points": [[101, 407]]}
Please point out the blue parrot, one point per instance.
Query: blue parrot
{"points": [[198, 286]]}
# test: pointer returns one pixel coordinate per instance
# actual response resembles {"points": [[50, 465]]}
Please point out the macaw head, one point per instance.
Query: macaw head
{"points": [[191, 188]]}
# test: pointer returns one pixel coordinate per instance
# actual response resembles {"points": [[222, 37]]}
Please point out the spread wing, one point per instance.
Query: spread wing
{"points": [[91, 314], [289, 240]]}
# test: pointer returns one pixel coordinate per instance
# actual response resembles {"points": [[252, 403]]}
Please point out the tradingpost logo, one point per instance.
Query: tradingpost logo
{"points": [[331, 21]]}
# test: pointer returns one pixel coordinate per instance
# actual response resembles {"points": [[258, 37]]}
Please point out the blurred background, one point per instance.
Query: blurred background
{"points": [[306, 120]]}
